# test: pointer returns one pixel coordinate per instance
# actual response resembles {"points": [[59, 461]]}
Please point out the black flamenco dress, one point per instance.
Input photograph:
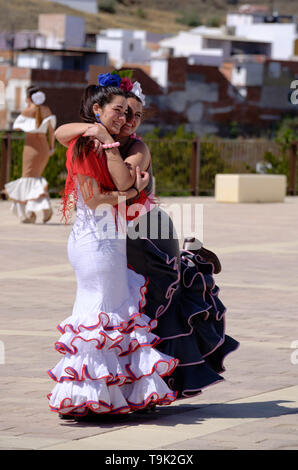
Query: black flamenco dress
{"points": [[183, 297]]}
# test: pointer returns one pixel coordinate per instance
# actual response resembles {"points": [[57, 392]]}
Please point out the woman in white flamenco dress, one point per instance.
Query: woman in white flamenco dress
{"points": [[110, 364], [29, 194]]}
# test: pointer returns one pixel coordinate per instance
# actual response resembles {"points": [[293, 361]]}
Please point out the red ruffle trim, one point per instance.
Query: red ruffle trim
{"points": [[118, 379], [101, 407], [104, 320], [62, 348]]}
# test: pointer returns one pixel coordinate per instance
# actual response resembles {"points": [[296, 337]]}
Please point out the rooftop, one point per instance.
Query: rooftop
{"points": [[230, 37]]}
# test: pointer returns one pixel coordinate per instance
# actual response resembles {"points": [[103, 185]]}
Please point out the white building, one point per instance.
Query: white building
{"points": [[87, 6], [245, 17], [281, 35], [61, 31], [186, 43], [249, 32], [212, 46], [204, 46], [159, 71], [127, 46], [47, 59]]}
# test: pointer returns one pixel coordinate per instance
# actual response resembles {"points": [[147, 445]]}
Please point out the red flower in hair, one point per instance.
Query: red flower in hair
{"points": [[126, 84]]}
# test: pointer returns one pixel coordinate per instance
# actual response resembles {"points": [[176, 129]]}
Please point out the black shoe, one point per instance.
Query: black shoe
{"points": [[92, 417], [196, 247], [147, 410], [87, 417], [62, 416]]}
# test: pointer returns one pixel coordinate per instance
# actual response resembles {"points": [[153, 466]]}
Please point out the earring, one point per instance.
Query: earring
{"points": [[97, 117]]}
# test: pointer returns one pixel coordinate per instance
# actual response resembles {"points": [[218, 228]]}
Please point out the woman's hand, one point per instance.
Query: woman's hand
{"points": [[99, 132], [97, 147], [142, 179], [90, 191]]}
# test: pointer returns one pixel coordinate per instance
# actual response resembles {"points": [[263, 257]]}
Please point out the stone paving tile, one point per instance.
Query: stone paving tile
{"points": [[200, 444], [278, 444], [24, 442]]}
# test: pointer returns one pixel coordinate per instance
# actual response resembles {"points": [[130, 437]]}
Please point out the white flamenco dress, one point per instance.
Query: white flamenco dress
{"points": [[109, 364], [30, 192]]}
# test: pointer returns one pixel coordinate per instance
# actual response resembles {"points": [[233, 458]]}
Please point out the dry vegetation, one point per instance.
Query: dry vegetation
{"points": [[161, 17]]}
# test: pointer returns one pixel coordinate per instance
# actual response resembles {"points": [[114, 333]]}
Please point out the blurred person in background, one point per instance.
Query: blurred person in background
{"points": [[29, 193]]}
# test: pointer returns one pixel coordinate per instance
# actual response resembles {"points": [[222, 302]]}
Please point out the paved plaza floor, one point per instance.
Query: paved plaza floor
{"points": [[255, 408]]}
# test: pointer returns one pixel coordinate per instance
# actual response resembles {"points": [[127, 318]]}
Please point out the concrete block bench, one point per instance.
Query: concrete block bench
{"points": [[250, 188]]}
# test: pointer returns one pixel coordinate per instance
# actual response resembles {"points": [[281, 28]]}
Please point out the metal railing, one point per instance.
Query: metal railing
{"points": [[180, 167]]}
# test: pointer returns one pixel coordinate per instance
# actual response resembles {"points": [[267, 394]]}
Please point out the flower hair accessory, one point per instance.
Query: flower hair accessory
{"points": [[121, 79], [126, 84], [38, 98], [109, 79], [137, 90]]}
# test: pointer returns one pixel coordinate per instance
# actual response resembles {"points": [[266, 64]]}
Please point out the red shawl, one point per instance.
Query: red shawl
{"points": [[93, 166]]}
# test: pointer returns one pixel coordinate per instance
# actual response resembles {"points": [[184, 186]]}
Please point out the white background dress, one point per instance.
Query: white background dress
{"points": [[30, 193]]}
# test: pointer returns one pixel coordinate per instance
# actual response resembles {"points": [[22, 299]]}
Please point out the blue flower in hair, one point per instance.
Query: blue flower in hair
{"points": [[109, 79]]}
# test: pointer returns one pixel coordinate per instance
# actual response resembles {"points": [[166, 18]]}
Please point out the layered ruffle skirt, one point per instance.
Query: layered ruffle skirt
{"points": [[184, 299], [28, 195]]}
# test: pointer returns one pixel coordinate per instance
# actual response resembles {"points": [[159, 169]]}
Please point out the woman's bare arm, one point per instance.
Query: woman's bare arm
{"points": [[122, 176], [51, 137], [93, 197], [97, 198], [139, 155], [67, 132]]}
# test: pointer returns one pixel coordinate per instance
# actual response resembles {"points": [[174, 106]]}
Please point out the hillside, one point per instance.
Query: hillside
{"points": [[20, 15], [207, 7], [132, 14]]}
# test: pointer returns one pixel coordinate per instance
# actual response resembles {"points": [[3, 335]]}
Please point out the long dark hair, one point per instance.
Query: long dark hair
{"points": [[93, 94], [29, 92]]}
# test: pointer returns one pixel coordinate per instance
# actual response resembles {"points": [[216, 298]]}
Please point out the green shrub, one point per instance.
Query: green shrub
{"points": [[278, 164], [211, 163], [287, 132], [107, 6], [141, 13], [189, 18], [55, 172], [17, 144], [171, 160], [171, 157], [213, 22]]}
